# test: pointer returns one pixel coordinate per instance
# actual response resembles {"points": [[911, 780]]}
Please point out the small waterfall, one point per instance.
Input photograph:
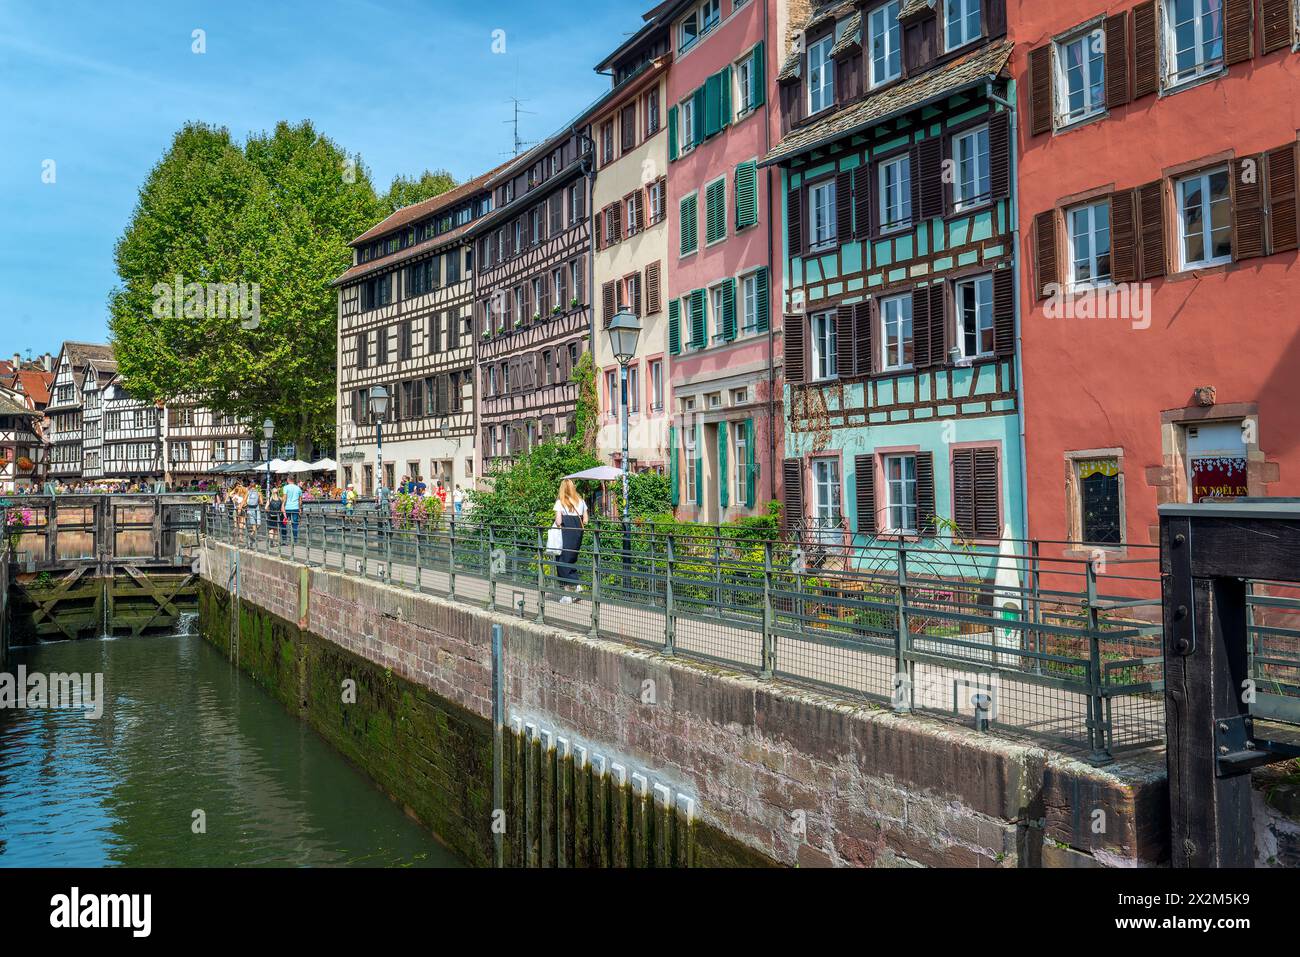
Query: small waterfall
{"points": [[105, 631], [187, 623]]}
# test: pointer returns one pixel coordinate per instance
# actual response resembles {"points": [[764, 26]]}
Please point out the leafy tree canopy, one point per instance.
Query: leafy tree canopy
{"points": [[407, 190]]}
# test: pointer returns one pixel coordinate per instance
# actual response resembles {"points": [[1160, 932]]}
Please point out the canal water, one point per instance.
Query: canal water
{"points": [[183, 731]]}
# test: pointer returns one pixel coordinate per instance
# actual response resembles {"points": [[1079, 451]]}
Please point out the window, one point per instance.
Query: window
{"points": [[748, 93], [821, 214], [715, 211], [962, 24], [1089, 228], [686, 125], [633, 389], [823, 345], [975, 317], [900, 494], [652, 112], [611, 394], [1216, 461], [1081, 76], [559, 284], [607, 142], [896, 329], [895, 193], [826, 490], [1205, 219], [749, 303], [741, 458], [885, 44], [739, 396], [691, 491], [697, 23], [1193, 39], [657, 385], [1097, 485], [688, 224], [821, 75], [655, 201], [627, 127], [970, 151]]}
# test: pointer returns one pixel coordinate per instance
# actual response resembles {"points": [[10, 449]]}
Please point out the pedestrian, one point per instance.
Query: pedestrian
{"points": [[253, 507], [571, 519], [442, 495], [382, 495], [274, 514], [349, 500], [237, 496], [458, 500], [292, 505]]}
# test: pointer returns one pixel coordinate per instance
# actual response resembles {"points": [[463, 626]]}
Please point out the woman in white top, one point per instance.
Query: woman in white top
{"points": [[571, 519]]}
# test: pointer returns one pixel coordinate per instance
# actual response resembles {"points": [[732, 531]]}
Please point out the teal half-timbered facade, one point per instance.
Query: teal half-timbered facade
{"points": [[900, 295]]}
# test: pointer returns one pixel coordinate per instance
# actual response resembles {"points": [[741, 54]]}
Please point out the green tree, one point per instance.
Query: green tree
{"points": [[523, 493], [276, 215], [408, 190]]}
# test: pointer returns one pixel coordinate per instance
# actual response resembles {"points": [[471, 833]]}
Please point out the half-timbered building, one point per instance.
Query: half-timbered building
{"points": [[196, 440], [405, 322], [900, 334], [630, 204], [531, 295], [64, 412], [132, 434], [19, 442]]}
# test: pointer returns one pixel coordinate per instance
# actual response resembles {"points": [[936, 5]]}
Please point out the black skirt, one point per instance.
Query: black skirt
{"points": [[566, 564]]}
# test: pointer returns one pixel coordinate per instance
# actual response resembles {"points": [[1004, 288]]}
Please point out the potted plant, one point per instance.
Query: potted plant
{"points": [[537, 317], [556, 309], [519, 323], [573, 303], [25, 464]]}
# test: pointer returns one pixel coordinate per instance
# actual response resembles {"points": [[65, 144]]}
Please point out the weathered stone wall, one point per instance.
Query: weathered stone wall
{"points": [[772, 770]]}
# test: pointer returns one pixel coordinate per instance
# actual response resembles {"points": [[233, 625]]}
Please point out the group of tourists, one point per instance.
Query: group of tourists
{"points": [[246, 505]]}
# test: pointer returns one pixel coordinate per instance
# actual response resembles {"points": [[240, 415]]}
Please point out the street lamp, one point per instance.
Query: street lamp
{"points": [[268, 430], [378, 409], [624, 331]]}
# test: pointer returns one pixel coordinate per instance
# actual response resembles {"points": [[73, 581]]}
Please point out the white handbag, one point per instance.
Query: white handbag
{"points": [[554, 540]]}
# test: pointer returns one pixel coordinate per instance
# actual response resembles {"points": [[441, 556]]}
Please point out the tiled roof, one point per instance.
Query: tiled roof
{"points": [[823, 10], [35, 384], [852, 35], [987, 61], [409, 214], [912, 7], [82, 352], [402, 255], [792, 66], [10, 406]]}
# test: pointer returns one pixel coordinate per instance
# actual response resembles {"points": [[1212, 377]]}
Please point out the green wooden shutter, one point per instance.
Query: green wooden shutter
{"points": [[723, 496], [749, 463], [674, 480], [762, 306], [758, 71], [713, 105], [697, 117], [672, 133], [675, 327], [746, 194], [715, 211], [729, 310], [699, 477], [688, 223], [699, 331], [725, 105]]}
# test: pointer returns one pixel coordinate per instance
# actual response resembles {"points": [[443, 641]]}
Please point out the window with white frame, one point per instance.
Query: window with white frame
{"points": [[697, 23], [962, 23], [900, 494], [826, 495], [1204, 219], [1081, 76], [746, 74], [611, 394], [1089, 236], [970, 151], [690, 464], [657, 385], [975, 316], [895, 193], [821, 75], [823, 345], [821, 214], [896, 332], [749, 302], [885, 36], [740, 443], [1193, 34], [633, 389], [686, 125], [716, 296]]}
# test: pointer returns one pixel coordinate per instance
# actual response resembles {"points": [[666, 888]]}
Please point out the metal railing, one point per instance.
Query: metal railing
{"points": [[947, 630]]}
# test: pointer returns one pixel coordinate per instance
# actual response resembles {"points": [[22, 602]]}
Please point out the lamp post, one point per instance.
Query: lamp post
{"points": [[378, 409], [268, 430], [624, 331]]}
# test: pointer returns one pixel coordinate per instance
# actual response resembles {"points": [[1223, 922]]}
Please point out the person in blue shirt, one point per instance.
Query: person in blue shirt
{"points": [[292, 504]]}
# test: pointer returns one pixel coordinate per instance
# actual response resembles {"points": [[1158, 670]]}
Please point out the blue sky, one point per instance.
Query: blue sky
{"points": [[100, 88]]}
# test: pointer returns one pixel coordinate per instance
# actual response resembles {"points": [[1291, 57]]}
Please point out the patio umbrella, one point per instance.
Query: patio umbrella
{"points": [[324, 465], [1007, 598], [601, 473], [295, 466]]}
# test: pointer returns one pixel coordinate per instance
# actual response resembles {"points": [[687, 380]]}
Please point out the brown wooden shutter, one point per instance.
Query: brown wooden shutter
{"points": [[1151, 229], [1282, 226], [863, 324], [1275, 17], [1123, 237], [638, 206], [843, 206], [1247, 184], [794, 220], [608, 303], [1146, 57], [963, 491], [988, 520], [1045, 257], [599, 225], [581, 292], [1004, 313], [791, 494], [635, 281], [792, 339], [1040, 89], [925, 492], [616, 211], [938, 325], [1238, 30], [652, 299], [862, 193], [920, 327], [1000, 155], [929, 154], [1117, 60], [844, 341], [864, 472]]}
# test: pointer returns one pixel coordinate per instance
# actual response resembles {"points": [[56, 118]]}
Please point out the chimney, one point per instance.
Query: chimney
{"points": [[47, 362], [18, 362]]}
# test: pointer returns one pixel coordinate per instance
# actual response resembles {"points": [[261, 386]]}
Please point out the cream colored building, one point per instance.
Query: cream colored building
{"points": [[629, 208]]}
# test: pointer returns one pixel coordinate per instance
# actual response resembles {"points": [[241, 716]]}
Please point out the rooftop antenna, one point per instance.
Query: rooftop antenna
{"points": [[518, 143]]}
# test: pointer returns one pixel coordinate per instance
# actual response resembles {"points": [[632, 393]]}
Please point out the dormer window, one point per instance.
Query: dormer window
{"points": [[885, 43], [961, 23], [821, 75]]}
